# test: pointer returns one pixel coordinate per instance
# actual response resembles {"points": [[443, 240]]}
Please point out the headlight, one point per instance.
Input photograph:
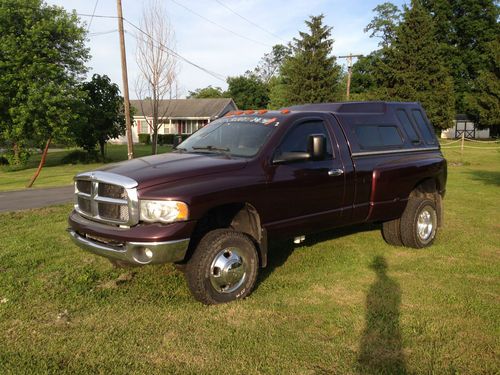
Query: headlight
{"points": [[163, 211]]}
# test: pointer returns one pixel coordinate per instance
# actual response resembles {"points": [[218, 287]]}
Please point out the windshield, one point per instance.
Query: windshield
{"points": [[235, 136]]}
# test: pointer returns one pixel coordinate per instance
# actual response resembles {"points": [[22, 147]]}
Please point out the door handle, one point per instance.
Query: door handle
{"points": [[335, 172]]}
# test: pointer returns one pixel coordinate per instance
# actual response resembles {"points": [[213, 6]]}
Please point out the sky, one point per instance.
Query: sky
{"points": [[227, 53]]}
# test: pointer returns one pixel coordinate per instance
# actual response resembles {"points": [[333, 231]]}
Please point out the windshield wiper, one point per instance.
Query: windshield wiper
{"points": [[180, 149], [212, 148]]}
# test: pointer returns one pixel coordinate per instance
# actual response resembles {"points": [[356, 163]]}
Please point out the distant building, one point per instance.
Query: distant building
{"points": [[466, 127], [178, 116]]}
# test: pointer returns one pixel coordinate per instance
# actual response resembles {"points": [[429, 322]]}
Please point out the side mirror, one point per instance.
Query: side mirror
{"points": [[316, 146]]}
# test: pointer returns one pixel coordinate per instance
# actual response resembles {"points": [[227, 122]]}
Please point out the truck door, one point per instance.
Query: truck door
{"points": [[306, 195]]}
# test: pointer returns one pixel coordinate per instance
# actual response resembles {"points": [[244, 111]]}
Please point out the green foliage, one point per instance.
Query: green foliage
{"points": [[311, 74], [42, 56], [270, 64], [413, 69], [385, 23], [145, 139], [169, 139], [80, 157], [466, 29], [207, 92], [102, 115], [248, 91], [482, 103]]}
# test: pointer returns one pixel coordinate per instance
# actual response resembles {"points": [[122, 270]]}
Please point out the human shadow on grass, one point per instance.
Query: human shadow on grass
{"points": [[381, 348], [280, 250], [487, 177]]}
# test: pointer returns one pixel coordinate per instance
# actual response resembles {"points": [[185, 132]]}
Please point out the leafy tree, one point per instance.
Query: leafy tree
{"points": [[207, 92], [413, 68], [482, 103], [385, 23], [365, 74], [466, 29], [248, 91], [42, 57], [311, 74], [270, 64], [104, 114]]}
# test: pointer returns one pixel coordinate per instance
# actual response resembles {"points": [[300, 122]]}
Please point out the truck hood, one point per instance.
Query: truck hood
{"points": [[159, 169]]}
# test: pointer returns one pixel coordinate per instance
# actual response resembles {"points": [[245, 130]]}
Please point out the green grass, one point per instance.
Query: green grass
{"points": [[54, 173], [344, 303]]}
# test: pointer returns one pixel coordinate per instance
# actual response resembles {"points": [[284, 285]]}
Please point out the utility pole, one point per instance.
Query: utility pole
{"points": [[130, 144], [349, 71]]}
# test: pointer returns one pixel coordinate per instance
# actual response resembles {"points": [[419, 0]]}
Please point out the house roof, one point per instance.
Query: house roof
{"points": [[186, 107]]}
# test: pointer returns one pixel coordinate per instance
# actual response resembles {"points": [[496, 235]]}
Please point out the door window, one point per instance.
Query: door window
{"points": [[296, 140]]}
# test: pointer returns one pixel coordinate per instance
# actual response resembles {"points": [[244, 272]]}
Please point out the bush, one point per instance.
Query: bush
{"points": [[3, 160], [168, 139], [145, 139], [80, 157]]}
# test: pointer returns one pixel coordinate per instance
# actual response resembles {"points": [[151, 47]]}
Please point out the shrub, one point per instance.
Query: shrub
{"points": [[3, 160], [145, 139], [80, 157]]}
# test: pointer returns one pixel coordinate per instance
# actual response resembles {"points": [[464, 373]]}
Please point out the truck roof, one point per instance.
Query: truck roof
{"points": [[376, 107]]}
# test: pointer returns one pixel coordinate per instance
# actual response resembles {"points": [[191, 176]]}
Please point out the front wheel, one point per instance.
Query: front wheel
{"points": [[419, 223], [223, 267]]}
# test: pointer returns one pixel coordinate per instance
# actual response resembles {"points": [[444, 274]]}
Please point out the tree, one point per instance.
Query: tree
{"points": [[104, 117], [248, 91], [413, 68], [465, 29], [207, 92], [42, 58], [270, 64], [482, 103], [385, 23], [311, 74], [157, 64]]}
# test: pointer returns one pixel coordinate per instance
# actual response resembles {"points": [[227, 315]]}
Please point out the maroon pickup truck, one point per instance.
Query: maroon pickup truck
{"points": [[215, 201]]}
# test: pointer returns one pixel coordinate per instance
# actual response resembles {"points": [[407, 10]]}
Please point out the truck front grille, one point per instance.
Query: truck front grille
{"points": [[107, 197]]}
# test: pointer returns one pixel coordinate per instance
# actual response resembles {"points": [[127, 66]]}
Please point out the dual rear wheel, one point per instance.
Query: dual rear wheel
{"points": [[416, 228]]}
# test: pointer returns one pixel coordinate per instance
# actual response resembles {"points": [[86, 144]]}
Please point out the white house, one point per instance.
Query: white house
{"points": [[178, 116]]}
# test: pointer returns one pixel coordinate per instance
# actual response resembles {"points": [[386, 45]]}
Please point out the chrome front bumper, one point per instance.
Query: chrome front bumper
{"points": [[139, 253]]}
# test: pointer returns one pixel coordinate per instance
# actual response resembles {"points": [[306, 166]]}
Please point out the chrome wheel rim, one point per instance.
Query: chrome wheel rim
{"points": [[228, 270], [426, 224]]}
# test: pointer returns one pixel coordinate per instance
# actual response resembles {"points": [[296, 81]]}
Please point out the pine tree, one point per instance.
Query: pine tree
{"points": [[466, 30], [415, 70], [311, 74]]}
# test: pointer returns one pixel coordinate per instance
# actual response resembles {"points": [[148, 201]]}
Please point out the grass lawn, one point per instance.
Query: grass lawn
{"points": [[343, 303], [54, 173]]}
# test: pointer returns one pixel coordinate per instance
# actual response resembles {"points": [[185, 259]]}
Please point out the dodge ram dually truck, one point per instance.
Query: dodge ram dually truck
{"points": [[213, 203]]}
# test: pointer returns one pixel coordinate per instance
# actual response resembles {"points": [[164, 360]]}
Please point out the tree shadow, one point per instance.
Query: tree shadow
{"points": [[487, 177], [280, 250], [381, 349]]}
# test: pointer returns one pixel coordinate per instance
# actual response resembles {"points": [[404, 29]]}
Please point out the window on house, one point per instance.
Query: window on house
{"points": [[143, 127]]}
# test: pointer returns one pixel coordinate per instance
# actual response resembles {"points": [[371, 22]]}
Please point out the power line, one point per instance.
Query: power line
{"points": [[219, 25], [97, 33], [213, 74], [249, 21], [93, 13], [162, 46]]}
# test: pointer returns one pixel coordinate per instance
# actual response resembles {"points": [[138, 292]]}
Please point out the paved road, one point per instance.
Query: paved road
{"points": [[34, 198]]}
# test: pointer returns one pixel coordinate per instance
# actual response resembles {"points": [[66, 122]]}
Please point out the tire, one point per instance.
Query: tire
{"points": [[419, 223], [223, 267], [391, 231]]}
